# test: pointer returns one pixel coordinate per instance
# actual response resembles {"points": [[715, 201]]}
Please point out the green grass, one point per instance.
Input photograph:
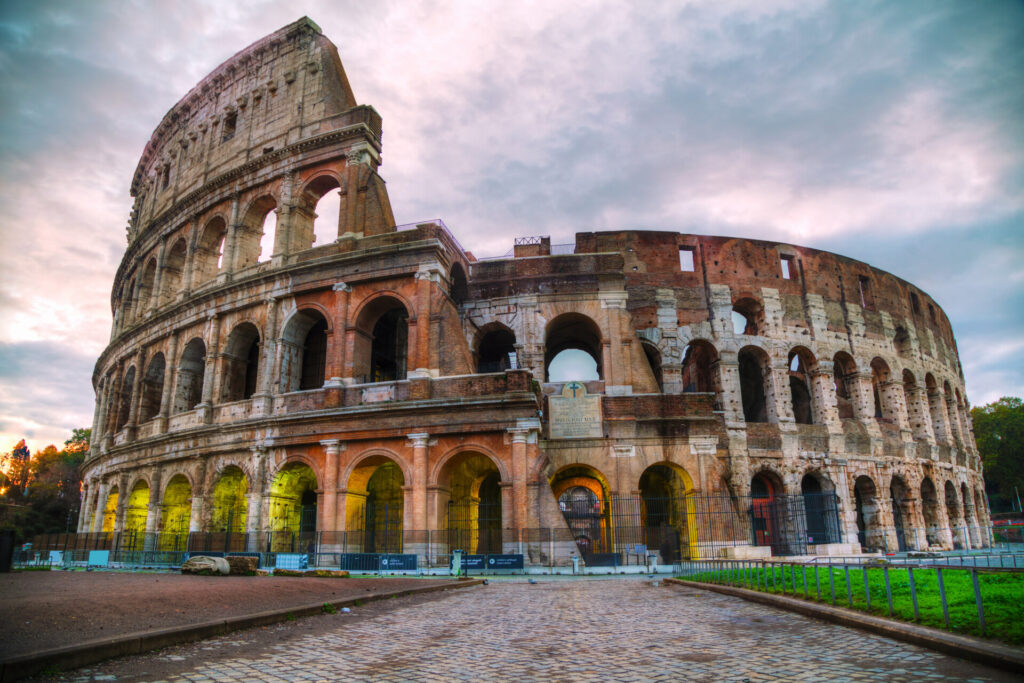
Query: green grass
{"points": [[1002, 594]]}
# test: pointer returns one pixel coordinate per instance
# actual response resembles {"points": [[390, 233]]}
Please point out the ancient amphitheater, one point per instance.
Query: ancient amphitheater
{"points": [[269, 387]]}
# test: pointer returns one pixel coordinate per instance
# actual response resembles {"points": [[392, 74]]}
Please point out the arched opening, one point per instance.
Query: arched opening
{"points": [[747, 316], [801, 361], [936, 409], [496, 350], [304, 352], [293, 508], [174, 269], [766, 518], [572, 349], [473, 509], [188, 390], [901, 342], [380, 514], [970, 516], [668, 512], [754, 366], [821, 509], [126, 295], [146, 287], [125, 402], [954, 422], [902, 511], [930, 507], [699, 358], [110, 511], [152, 389], [241, 362], [915, 413], [955, 521], [316, 218], [583, 497], [255, 236], [880, 377], [175, 514], [230, 502], [209, 253], [653, 356], [382, 341], [843, 370], [869, 527], [135, 515], [459, 287]]}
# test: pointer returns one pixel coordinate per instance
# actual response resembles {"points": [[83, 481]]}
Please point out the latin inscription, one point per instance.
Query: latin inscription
{"points": [[574, 414]]}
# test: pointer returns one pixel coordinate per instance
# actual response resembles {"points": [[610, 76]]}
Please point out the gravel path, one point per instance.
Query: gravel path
{"points": [[42, 610]]}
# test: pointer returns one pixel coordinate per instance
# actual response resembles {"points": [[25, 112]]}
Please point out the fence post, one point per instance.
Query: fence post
{"points": [[817, 582], [977, 600], [832, 583], [888, 589], [942, 596], [867, 589], [849, 588], [803, 569], [913, 591]]}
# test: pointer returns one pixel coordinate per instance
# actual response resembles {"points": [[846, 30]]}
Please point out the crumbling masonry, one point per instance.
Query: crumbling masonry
{"points": [[386, 390]]}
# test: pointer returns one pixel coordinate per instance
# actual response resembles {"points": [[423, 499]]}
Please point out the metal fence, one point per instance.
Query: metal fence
{"points": [[867, 585]]}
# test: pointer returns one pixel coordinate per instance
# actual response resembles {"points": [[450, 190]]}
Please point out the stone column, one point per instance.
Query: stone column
{"points": [[122, 502], [227, 263], [419, 443], [347, 211], [525, 432], [427, 275], [332, 447], [86, 504], [210, 372], [170, 377], [190, 258], [102, 491], [918, 414], [954, 425], [282, 236], [823, 395], [777, 397], [727, 371], [336, 364], [257, 498], [154, 297], [940, 417], [97, 411], [262, 400], [113, 403]]}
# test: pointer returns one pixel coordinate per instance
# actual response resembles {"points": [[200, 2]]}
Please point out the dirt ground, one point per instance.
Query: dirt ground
{"points": [[43, 610]]}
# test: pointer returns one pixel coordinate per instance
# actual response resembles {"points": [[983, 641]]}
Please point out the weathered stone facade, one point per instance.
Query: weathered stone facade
{"points": [[375, 370]]}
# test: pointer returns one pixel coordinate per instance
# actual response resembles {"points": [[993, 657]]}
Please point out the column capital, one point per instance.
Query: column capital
{"points": [[333, 446], [525, 431], [341, 287], [418, 440]]}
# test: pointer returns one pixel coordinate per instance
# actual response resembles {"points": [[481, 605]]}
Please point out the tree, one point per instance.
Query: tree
{"points": [[999, 433]]}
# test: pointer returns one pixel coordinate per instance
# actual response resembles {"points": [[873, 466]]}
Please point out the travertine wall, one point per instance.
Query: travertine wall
{"points": [[220, 358]]}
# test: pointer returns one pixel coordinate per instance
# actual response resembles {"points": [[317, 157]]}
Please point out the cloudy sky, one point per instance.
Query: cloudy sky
{"points": [[889, 132]]}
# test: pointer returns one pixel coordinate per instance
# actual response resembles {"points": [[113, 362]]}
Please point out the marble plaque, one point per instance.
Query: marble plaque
{"points": [[575, 414]]}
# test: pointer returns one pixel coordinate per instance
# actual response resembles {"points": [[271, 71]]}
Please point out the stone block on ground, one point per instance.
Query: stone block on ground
{"points": [[206, 566], [242, 565]]}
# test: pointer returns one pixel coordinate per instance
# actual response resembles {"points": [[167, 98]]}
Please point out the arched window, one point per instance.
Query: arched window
{"points": [[382, 341], [880, 376], [936, 409], [801, 361], [174, 268], [241, 363], [316, 221], [189, 386], [255, 236], [459, 286], [821, 512], [753, 366], [699, 358], [152, 389], [747, 316], [209, 254], [843, 368], [146, 286], [572, 349], [653, 356], [496, 349], [869, 527], [304, 357], [125, 402], [930, 507], [901, 342]]}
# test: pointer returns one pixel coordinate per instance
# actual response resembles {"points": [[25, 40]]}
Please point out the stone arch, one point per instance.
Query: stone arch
{"points": [[311, 198], [110, 510], [381, 350], [584, 498], [901, 500], [175, 513], [147, 285], [207, 260], [698, 373], [954, 422], [930, 509], [866, 514], [747, 316], [125, 398], [801, 363], [936, 409], [459, 289], [173, 271], [755, 372], [292, 514], [229, 500], [240, 363], [470, 501], [668, 512], [249, 235], [970, 515], [844, 369], [880, 378], [188, 390], [767, 489], [954, 519], [304, 352], [453, 453], [136, 513], [821, 509], [495, 348], [653, 355], [573, 332], [375, 500], [152, 388]]}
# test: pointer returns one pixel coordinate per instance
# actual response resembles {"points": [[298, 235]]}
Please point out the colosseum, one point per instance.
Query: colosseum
{"points": [[273, 386]]}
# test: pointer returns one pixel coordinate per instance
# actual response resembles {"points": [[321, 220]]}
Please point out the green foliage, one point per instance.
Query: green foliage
{"points": [[999, 432], [329, 608], [1001, 593]]}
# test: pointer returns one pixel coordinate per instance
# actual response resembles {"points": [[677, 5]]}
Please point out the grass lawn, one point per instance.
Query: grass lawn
{"points": [[1002, 594]]}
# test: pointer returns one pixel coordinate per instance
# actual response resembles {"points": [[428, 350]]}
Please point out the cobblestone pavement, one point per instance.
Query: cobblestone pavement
{"points": [[625, 630]]}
